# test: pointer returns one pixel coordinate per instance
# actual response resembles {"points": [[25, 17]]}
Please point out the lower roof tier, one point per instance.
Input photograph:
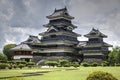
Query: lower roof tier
{"points": [[58, 42], [71, 34], [54, 50]]}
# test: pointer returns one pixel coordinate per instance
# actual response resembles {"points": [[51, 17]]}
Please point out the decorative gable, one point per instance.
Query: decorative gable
{"points": [[52, 29]]}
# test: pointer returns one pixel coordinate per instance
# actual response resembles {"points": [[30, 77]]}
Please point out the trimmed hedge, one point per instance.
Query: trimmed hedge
{"points": [[75, 64], [94, 64], [99, 75], [85, 64], [21, 66], [3, 65], [51, 63], [30, 64], [105, 63], [63, 62]]}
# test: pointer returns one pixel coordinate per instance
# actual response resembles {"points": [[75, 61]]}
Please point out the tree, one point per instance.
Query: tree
{"points": [[7, 51], [63, 62], [51, 63], [3, 58], [118, 57], [114, 56]]}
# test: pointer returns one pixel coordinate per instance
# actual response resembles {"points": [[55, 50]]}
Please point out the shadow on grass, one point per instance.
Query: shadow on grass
{"points": [[27, 74]]}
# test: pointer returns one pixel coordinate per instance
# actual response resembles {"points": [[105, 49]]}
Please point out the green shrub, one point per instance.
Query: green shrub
{"points": [[63, 62], [67, 65], [17, 62], [74, 64], [9, 66], [21, 66], [118, 64], [59, 65], [94, 64], [99, 75], [3, 65], [85, 64], [14, 66], [51, 63], [105, 63], [30, 64]]}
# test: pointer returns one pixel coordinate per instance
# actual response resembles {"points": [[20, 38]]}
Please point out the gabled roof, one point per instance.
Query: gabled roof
{"points": [[32, 39], [60, 13], [22, 47], [52, 28], [87, 44], [95, 33], [82, 44], [60, 24]]}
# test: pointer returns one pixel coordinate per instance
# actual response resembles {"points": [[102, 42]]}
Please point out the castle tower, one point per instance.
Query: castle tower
{"points": [[95, 49], [59, 40]]}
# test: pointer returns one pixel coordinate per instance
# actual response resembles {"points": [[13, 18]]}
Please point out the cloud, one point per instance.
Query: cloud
{"points": [[19, 18]]}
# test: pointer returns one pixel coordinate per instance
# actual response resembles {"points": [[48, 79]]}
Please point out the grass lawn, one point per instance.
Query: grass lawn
{"points": [[57, 73]]}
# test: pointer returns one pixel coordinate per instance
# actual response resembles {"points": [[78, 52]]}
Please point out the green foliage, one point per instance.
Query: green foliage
{"points": [[118, 64], [17, 62], [67, 65], [63, 62], [105, 63], [21, 66], [7, 51], [30, 64], [85, 64], [114, 56], [10, 66], [99, 75], [51, 63], [94, 64], [75, 64], [3, 58], [3, 65]]}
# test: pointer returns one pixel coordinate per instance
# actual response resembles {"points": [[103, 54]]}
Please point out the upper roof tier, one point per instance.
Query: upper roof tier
{"points": [[60, 13], [32, 40], [95, 33]]}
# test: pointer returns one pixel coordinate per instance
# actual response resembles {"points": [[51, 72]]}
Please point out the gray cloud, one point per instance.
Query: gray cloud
{"points": [[19, 18]]}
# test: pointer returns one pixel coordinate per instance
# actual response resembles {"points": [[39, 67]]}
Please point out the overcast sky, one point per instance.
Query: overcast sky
{"points": [[21, 18]]}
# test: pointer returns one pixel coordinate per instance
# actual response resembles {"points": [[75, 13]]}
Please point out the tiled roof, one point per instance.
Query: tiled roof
{"points": [[32, 39], [88, 44], [22, 46], [95, 33], [60, 12], [82, 43]]}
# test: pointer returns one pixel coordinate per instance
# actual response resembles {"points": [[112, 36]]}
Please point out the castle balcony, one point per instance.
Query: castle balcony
{"points": [[55, 50], [59, 42], [67, 33], [94, 51], [48, 39]]}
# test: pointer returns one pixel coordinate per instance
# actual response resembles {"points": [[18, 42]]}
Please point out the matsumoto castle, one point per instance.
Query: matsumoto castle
{"points": [[60, 42]]}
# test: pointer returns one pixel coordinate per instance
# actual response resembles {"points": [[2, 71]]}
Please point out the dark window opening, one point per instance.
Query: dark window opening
{"points": [[53, 36]]}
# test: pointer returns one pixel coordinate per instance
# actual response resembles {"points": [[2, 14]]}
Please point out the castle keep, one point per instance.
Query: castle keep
{"points": [[60, 42]]}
